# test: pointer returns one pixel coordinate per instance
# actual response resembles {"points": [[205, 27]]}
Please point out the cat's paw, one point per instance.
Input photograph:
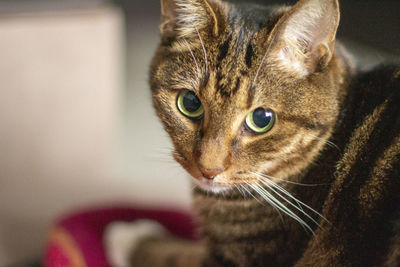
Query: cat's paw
{"points": [[121, 239]]}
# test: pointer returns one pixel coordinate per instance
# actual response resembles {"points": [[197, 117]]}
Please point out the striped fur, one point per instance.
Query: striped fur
{"points": [[331, 163]]}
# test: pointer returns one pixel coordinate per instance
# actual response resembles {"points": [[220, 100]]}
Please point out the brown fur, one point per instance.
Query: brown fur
{"points": [[304, 106], [235, 67]]}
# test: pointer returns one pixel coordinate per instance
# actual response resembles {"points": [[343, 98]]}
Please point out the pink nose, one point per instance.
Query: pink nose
{"points": [[208, 173]]}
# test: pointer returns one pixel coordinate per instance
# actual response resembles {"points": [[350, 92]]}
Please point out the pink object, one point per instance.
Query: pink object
{"points": [[77, 240], [56, 255]]}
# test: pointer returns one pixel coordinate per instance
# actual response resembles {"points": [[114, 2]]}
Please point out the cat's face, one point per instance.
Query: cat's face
{"points": [[242, 97]]}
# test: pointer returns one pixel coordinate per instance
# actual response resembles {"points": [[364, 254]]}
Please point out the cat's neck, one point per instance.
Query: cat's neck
{"points": [[246, 230]]}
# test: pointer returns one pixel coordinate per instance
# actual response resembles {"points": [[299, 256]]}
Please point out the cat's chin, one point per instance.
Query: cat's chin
{"points": [[210, 185]]}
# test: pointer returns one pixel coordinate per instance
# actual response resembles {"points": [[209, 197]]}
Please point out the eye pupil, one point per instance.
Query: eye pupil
{"points": [[261, 117], [260, 120], [191, 102], [189, 105]]}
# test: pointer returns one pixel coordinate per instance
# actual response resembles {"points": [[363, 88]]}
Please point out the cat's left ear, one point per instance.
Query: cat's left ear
{"points": [[303, 40], [183, 18]]}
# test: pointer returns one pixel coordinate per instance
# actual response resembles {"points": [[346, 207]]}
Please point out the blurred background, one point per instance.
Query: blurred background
{"points": [[77, 128]]}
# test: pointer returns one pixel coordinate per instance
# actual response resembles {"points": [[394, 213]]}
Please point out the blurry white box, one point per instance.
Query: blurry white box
{"points": [[61, 75]]}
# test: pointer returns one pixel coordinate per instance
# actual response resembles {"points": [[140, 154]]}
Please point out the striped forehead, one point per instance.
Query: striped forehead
{"points": [[234, 57], [233, 61]]}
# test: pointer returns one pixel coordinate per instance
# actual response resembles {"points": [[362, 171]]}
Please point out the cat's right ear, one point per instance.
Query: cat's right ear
{"points": [[184, 18], [303, 41]]}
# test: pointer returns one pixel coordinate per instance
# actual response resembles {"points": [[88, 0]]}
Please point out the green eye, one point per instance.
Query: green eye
{"points": [[189, 104], [260, 120]]}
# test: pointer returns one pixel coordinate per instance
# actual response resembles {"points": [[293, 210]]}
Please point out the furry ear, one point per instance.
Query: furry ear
{"points": [[182, 18], [303, 41]]}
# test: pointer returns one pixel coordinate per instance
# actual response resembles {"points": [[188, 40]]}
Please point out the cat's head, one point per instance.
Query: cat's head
{"points": [[246, 91]]}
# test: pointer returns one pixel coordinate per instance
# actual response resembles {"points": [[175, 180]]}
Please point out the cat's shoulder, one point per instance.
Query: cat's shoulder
{"points": [[382, 80], [375, 89], [371, 122]]}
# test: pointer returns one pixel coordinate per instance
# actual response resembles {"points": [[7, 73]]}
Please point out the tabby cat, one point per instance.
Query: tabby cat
{"points": [[295, 155]]}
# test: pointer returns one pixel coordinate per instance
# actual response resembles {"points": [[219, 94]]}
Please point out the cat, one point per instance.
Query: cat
{"points": [[294, 153]]}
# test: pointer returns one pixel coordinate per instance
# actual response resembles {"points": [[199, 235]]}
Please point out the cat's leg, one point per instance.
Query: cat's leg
{"points": [[146, 243]]}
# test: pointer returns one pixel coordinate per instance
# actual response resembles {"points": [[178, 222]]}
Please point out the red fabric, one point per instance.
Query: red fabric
{"points": [[86, 228], [55, 256]]}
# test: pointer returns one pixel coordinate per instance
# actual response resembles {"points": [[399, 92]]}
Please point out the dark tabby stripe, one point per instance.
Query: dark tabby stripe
{"points": [[249, 55], [302, 122], [250, 96], [237, 86], [223, 49]]}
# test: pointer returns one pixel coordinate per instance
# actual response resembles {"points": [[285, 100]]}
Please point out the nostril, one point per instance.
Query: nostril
{"points": [[210, 174]]}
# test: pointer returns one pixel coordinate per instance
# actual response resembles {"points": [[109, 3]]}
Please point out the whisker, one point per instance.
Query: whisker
{"points": [[266, 199], [291, 204], [251, 194], [239, 189], [275, 202], [161, 149], [161, 157], [260, 176], [283, 180], [262, 61], [329, 143], [194, 58], [160, 160], [204, 49], [286, 209], [284, 191]]}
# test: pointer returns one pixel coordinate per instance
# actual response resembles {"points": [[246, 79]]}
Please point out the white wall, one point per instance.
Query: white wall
{"points": [[70, 137], [147, 161]]}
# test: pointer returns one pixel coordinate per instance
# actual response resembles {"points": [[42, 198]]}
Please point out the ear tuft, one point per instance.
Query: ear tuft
{"points": [[303, 41], [183, 18]]}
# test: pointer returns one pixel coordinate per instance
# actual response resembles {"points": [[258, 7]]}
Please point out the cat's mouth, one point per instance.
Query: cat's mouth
{"points": [[210, 185]]}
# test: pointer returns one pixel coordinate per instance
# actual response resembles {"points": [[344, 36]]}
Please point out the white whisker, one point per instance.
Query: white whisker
{"points": [[194, 58], [285, 208], [194, 185], [266, 199], [260, 176], [204, 49], [239, 189], [251, 194], [283, 180], [290, 203], [329, 143], [283, 190], [266, 179], [262, 61], [160, 160], [275, 202]]}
